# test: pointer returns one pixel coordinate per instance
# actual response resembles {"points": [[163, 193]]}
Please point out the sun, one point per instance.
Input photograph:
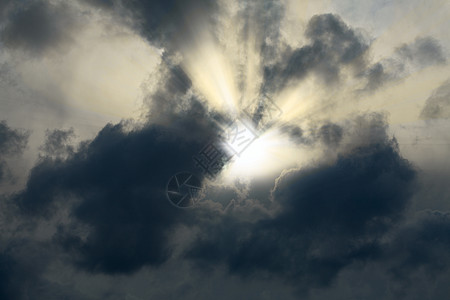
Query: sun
{"points": [[267, 155]]}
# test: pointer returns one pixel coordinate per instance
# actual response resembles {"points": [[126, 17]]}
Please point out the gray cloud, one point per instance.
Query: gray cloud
{"points": [[331, 134], [333, 45], [438, 104], [421, 53], [262, 20], [4, 5], [12, 143], [160, 22], [57, 143], [115, 184], [424, 51], [120, 179], [37, 26], [23, 264], [303, 229], [421, 247]]}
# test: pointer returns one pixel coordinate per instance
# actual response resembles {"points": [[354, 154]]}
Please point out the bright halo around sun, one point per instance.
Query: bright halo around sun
{"points": [[268, 154]]}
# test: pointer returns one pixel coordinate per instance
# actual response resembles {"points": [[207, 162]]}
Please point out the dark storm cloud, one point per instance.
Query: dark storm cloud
{"points": [[15, 275], [36, 26], [421, 53], [329, 216], [4, 5], [12, 143], [115, 185], [333, 45], [160, 21], [422, 246], [304, 228], [438, 104], [22, 265]]}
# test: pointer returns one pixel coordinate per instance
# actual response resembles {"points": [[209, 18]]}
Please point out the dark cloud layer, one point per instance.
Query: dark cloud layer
{"points": [[117, 183], [4, 4], [329, 217], [105, 198], [20, 268], [160, 21], [421, 247], [23, 264]]}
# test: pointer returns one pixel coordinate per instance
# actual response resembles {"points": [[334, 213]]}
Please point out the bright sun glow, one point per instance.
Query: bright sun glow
{"points": [[268, 154], [228, 74]]}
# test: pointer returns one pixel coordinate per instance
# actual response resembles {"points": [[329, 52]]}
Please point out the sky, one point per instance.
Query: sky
{"points": [[224, 149]]}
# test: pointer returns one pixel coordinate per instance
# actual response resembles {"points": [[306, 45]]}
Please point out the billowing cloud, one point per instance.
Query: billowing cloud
{"points": [[333, 44], [344, 194], [328, 216], [117, 186], [36, 26]]}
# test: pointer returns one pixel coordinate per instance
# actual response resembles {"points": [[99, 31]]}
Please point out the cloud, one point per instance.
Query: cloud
{"points": [[57, 143], [333, 44], [23, 263], [438, 104], [12, 143], [421, 53], [4, 5], [424, 51], [14, 275], [262, 22], [37, 26], [327, 217], [100, 205], [160, 22], [115, 187], [331, 134], [421, 246]]}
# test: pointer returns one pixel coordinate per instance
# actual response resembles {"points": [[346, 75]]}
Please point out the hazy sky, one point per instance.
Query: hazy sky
{"points": [[313, 137]]}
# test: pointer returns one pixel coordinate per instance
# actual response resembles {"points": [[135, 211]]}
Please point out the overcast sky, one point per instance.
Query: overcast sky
{"points": [[215, 149]]}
